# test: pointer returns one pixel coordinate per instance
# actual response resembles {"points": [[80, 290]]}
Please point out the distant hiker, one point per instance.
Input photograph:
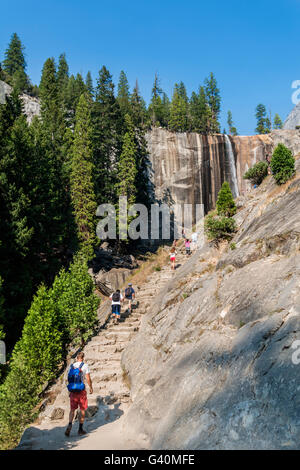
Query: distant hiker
{"points": [[194, 240], [116, 299], [183, 233], [79, 372], [187, 247], [173, 254], [129, 295], [174, 243]]}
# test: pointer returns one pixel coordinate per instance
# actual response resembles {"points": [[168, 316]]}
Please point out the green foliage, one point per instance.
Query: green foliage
{"points": [[219, 228], [108, 128], [81, 180], [123, 94], [56, 315], [233, 246], [200, 112], [225, 202], [231, 127], [127, 165], [282, 164], [179, 110], [263, 122], [257, 173], [278, 124], [214, 101]]}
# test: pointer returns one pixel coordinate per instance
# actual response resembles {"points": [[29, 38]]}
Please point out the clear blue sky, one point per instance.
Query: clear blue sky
{"points": [[252, 47]]}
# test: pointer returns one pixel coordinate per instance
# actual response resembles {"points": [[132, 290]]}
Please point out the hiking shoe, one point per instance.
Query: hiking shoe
{"points": [[68, 430], [81, 432]]}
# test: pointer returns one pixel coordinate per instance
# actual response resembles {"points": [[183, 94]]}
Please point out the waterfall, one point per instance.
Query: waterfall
{"points": [[234, 181]]}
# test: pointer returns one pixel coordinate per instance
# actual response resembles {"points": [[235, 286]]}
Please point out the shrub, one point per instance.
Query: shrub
{"points": [[257, 173], [282, 164], [219, 228], [225, 202], [232, 246]]}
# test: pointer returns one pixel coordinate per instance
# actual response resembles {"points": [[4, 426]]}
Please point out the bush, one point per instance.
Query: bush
{"points": [[225, 202], [219, 228], [257, 173], [282, 164]]}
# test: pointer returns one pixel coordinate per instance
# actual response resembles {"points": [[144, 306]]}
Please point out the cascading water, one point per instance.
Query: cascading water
{"points": [[230, 155]]}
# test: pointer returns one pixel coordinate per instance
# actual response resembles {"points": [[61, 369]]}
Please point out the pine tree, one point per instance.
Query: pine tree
{"points": [[231, 127], [127, 170], [156, 107], [107, 137], [62, 76], [214, 101], [89, 85], [263, 122], [178, 112], [225, 202], [200, 112], [14, 56], [278, 124], [123, 94], [138, 110], [82, 187]]}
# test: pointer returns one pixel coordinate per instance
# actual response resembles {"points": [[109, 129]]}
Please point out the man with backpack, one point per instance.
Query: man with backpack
{"points": [[129, 295], [79, 373], [116, 299]]}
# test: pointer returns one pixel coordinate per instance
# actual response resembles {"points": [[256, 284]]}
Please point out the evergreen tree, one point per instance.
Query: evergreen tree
{"points": [[278, 124], [14, 56], [200, 112], [263, 123], [138, 110], [123, 94], [127, 169], [89, 85], [214, 101], [82, 188], [178, 112], [282, 164], [225, 203], [156, 107], [62, 76], [107, 137], [231, 127]]}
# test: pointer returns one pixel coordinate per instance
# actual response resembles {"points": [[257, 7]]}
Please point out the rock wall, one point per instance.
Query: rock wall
{"points": [[293, 119], [190, 168], [31, 105], [212, 366]]}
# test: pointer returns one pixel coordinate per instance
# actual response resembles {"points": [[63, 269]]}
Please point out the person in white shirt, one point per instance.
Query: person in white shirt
{"points": [[116, 299], [194, 240]]}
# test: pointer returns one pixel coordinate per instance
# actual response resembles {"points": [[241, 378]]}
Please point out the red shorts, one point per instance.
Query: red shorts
{"points": [[78, 400]]}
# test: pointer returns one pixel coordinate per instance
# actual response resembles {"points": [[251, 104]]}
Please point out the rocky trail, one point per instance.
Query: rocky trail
{"points": [[111, 398]]}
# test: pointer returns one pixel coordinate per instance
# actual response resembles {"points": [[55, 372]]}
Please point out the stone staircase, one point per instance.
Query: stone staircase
{"points": [[111, 395]]}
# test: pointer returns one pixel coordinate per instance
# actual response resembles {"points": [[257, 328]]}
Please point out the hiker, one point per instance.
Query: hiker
{"points": [[79, 373], [129, 295], [116, 299], [173, 254], [183, 233], [187, 247], [174, 243], [194, 240]]}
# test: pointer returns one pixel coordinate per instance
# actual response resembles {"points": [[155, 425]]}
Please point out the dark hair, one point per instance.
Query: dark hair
{"points": [[118, 290], [80, 355]]}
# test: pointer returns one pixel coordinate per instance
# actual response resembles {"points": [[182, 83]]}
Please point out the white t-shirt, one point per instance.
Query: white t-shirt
{"points": [[119, 301], [85, 369], [194, 237]]}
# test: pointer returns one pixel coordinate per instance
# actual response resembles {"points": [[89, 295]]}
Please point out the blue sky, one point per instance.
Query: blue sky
{"points": [[252, 47]]}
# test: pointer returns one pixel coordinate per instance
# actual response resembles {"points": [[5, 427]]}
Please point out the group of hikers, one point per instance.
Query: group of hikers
{"points": [[79, 373]]}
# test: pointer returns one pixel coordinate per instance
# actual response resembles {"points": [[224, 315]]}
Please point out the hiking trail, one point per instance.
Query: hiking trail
{"points": [[111, 397]]}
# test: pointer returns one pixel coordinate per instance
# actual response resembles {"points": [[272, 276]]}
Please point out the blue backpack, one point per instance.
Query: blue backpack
{"points": [[75, 383]]}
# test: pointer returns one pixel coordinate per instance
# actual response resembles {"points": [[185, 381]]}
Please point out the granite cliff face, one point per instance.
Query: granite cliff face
{"points": [[293, 119], [190, 168], [212, 366], [31, 105]]}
